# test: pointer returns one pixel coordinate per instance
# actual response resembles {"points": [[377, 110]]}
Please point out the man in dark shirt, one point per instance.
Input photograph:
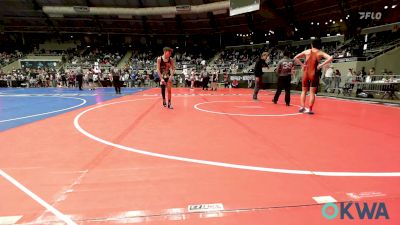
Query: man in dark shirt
{"points": [[115, 73], [79, 77], [284, 69], [261, 63]]}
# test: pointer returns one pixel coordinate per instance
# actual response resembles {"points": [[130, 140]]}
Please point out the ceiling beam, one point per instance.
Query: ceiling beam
{"points": [[250, 21], [212, 21], [96, 21], [178, 19], [290, 12], [144, 19], [38, 7]]}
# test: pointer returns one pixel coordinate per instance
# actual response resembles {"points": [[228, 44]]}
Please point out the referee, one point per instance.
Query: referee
{"points": [[79, 77], [115, 78], [284, 69]]}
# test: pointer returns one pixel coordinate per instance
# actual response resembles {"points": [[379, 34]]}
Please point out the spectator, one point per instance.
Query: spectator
{"points": [[328, 77], [337, 78], [235, 83], [205, 79], [226, 79]]}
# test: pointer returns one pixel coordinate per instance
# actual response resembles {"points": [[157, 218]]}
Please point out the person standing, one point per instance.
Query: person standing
{"points": [[284, 69], [226, 79], [338, 79], [205, 79], [260, 64], [156, 78], [329, 74], [311, 72], [214, 80], [9, 80], [192, 78], [166, 69], [116, 80], [79, 77]]}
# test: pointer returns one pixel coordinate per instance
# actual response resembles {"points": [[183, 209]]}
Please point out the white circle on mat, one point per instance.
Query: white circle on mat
{"points": [[242, 114], [45, 113], [215, 163]]}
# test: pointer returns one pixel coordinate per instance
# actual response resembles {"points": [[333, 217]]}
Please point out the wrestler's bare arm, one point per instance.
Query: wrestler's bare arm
{"points": [[328, 59], [297, 58]]}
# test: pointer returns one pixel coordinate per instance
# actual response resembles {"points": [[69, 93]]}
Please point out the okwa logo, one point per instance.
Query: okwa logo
{"points": [[349, 210]]}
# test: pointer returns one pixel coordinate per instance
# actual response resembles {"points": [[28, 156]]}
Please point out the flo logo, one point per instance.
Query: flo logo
{"points": [[370, 15], [350, 210]]}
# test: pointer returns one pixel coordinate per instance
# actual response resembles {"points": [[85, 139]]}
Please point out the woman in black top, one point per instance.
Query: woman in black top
{"points": [[261, 63]]}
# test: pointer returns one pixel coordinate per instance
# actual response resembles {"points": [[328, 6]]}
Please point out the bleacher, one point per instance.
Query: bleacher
{"points": [[8, 58]]}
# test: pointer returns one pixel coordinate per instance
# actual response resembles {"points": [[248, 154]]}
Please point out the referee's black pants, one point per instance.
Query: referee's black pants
{"points": [[117, 84], [283, 83], [80, 82]]}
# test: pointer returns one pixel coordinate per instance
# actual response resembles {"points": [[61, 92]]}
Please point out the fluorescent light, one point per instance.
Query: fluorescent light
{"points": [[244, 9], [394, 6], [386, 7]]}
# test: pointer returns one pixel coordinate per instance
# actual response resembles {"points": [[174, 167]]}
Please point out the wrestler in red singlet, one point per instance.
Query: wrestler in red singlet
{"points": [[311, 72]]}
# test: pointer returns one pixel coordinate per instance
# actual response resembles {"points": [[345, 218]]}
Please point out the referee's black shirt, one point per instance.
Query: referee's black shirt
{"points": [[260, 64]]}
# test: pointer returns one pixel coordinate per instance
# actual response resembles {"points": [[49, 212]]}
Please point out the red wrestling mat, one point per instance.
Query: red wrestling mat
{"points": [[132, 161]]}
